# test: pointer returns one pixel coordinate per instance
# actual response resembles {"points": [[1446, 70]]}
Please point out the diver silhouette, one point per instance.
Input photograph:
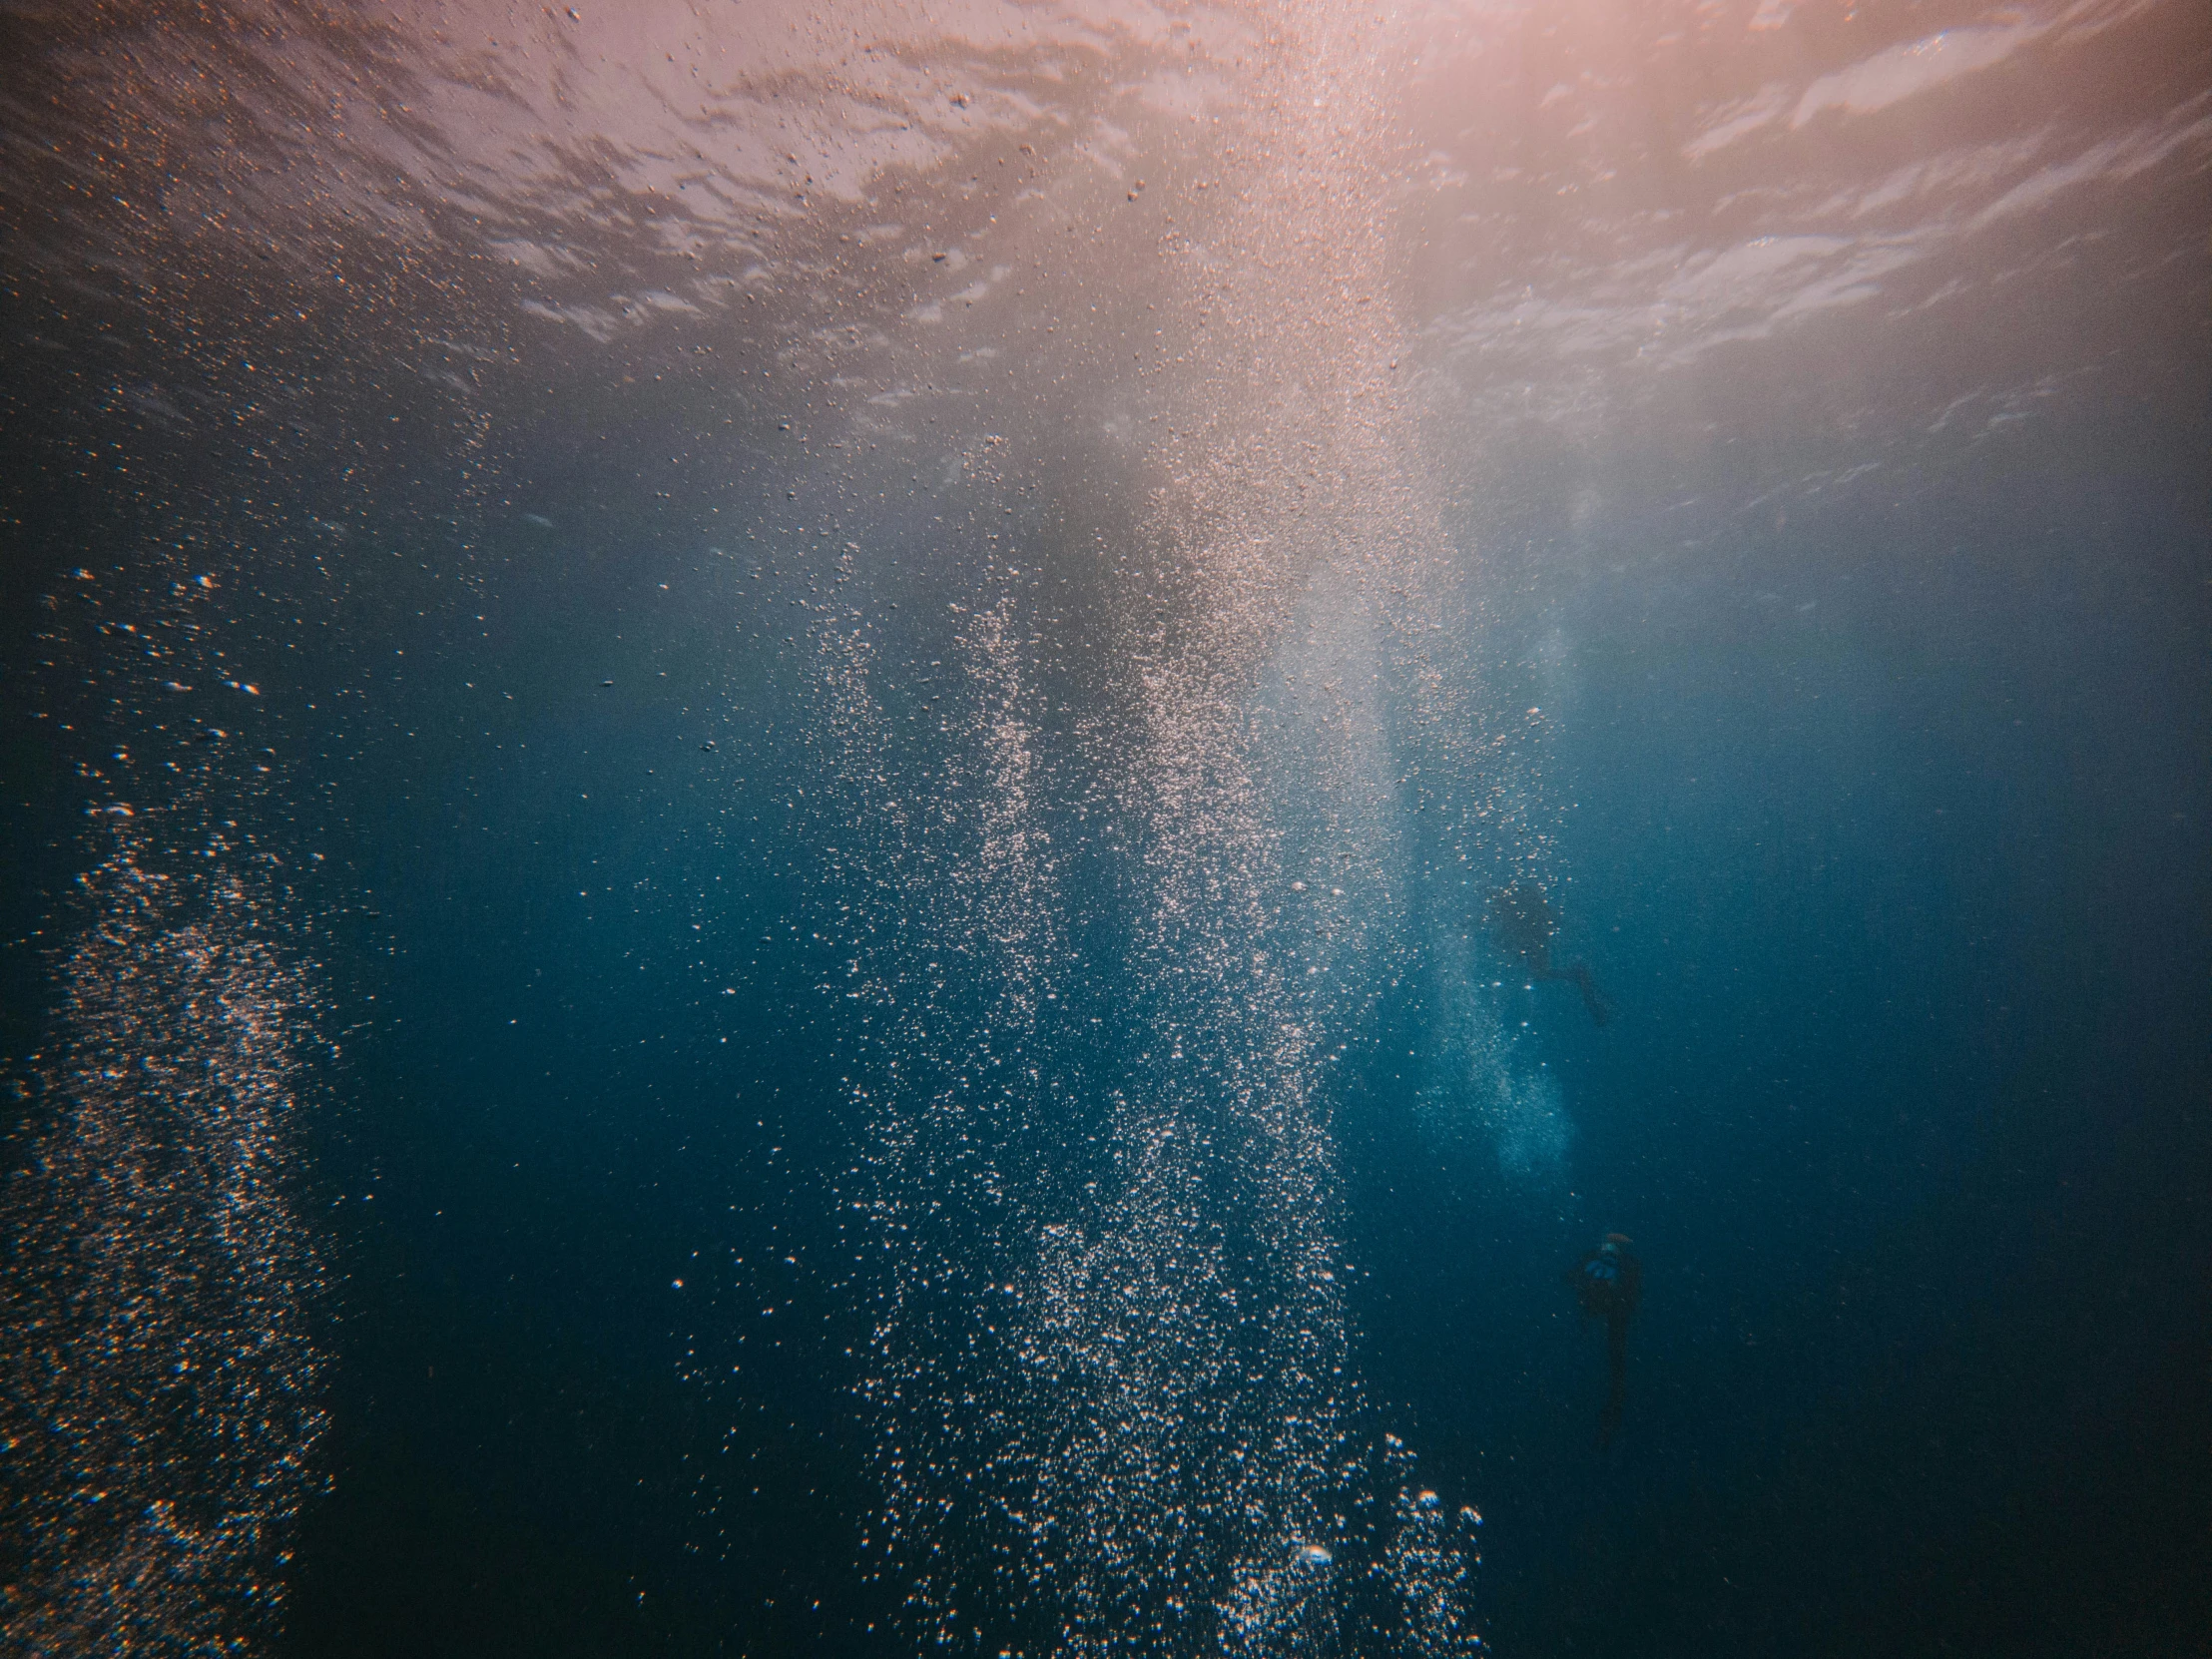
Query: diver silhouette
{"points": [[1606, 1284], [1521, 924]]}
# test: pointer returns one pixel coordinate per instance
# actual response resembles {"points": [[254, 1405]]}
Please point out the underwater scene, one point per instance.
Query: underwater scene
{"points": [[1159, 828]]}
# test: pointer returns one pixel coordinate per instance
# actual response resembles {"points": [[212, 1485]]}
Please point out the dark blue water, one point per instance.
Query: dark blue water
{"points": [[751, 858]]}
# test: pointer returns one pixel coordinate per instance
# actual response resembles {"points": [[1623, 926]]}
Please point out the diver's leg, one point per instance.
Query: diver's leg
{"points": [[1616, 1389], [1580, 975]]}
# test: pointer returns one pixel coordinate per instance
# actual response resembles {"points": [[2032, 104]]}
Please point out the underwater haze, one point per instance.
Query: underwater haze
{"points": [[887, 829]]}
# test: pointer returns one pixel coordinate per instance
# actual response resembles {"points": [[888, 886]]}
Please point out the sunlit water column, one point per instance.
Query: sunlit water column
{"points": [[1127, 1409], [1297, 523]]}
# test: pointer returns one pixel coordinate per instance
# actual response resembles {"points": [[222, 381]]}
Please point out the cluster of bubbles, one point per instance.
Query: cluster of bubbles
{"points": [[1483, 1085], [159, 1370], [1111, 1372]]}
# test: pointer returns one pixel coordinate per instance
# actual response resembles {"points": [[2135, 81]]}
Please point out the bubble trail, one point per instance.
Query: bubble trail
{"points": [[1481, 1085], [160, 1408], [1110, 1382]]}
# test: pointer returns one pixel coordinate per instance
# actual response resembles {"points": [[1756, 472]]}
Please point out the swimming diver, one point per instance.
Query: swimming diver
{"points": [[1521, 924], [1606, 1284]]}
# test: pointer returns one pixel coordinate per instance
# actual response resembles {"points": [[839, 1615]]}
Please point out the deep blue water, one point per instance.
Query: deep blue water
{"points": [[764, 928]]}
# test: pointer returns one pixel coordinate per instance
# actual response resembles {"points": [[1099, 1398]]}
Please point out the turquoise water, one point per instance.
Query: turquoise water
{"points": [[757, 762]]}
